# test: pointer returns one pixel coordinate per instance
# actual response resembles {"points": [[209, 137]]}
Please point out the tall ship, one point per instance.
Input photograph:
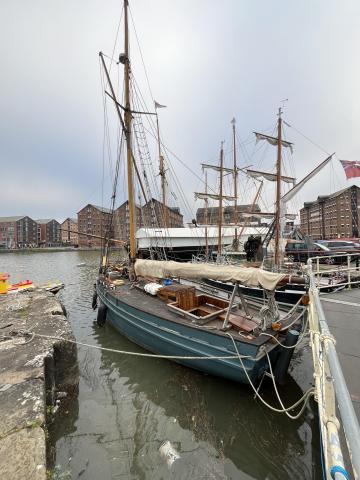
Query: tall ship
{"points": [[150, 302]]}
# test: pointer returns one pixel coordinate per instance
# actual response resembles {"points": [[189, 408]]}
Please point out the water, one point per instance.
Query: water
{"points": [[127, 406]]}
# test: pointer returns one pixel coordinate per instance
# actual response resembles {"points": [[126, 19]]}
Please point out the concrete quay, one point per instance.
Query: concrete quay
{"points": [[342, 312], [33, 372]]}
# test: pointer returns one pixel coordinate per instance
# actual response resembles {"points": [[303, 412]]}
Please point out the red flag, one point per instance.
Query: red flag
{"points": [[351, 168]]}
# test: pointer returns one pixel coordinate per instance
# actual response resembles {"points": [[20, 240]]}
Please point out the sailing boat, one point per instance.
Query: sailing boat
{"points": [[292, 291], [143, 300]]}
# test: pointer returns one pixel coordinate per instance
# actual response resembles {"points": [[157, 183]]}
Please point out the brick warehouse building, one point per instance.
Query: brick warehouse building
{"points": [[144, 218], [332, 216], [175, 218], [69, 232], [228, 214], [49, 234], [121, 222], [18, 232], [94, 220]]}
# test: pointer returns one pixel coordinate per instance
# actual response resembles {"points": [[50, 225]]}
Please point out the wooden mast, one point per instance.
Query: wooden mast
{"points": [[278, 195], [127, 119], [162, 175], [206, 219], [220, 198], [233, 121], [252, 210]]}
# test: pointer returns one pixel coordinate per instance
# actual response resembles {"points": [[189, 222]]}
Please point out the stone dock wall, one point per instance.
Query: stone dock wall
{"points": [[34, 373]]}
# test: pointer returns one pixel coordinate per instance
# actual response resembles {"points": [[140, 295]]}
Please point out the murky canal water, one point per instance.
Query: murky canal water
{"points": [[127, 406]]}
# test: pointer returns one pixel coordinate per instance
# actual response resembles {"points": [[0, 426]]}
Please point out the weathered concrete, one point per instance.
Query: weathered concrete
{"points": [[31, 369]]}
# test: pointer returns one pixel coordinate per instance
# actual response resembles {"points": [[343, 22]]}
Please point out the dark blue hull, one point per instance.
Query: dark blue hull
{"points": [[165, 337]]}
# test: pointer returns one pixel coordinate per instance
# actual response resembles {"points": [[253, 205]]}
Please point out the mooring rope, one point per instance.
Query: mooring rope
{"points": [[139, 354], [304, 399], [300, 339]]}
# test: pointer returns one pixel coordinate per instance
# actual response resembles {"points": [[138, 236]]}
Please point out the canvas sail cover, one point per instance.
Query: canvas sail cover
{"points": [[194, 271], [273, 140]]}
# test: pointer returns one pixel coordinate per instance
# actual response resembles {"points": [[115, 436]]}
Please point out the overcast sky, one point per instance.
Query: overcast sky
{"points": [[207, 61]]}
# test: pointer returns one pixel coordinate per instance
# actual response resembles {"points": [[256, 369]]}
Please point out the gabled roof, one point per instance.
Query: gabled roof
{"points": [[126, 202], [174, 209], [336, 194], [321, 198], [101, 209], [44, 221], [11, 219], [74, 220]]}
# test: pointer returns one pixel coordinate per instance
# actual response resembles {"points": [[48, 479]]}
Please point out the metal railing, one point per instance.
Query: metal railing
{"points": [[331, 389], [339, 275]]}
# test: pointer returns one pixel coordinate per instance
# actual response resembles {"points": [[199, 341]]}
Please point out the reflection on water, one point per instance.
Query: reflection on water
{"points": [[129, 406]]}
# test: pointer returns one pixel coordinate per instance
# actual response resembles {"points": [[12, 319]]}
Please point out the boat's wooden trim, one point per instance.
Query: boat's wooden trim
{"points": [[164, 314]]}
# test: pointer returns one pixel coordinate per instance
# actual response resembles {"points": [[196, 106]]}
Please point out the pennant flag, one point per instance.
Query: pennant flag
{"points": [[351, 168], [158, 105]]}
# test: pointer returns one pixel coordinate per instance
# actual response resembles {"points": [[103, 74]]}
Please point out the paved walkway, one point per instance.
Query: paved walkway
{"points": [[342, 311]]}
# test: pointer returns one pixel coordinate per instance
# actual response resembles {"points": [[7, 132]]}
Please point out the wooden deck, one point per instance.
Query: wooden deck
{"points": [[155, 306], [342, 311]]}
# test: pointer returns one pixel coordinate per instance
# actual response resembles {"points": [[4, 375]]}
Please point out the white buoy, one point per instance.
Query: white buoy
{"points": [[168, 452]]}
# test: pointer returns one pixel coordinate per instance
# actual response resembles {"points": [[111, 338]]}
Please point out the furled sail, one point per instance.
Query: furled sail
{"points": [[217, 168], [289, 216], [193, 271], [269, 176], [273, 140], [204, 196]]}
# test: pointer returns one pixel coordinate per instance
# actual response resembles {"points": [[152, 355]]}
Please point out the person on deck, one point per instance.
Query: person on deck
{"points": [[250, 248]]}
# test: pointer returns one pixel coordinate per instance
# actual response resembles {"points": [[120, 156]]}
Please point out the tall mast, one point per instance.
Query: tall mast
{"points": [[278, 194], [162, 175], [252, 210], [206, 218], [233, 121], [127, 119], [220, 198]]}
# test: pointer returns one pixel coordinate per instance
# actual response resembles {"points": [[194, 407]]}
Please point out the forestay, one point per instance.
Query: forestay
{"points": [[226, 273]]}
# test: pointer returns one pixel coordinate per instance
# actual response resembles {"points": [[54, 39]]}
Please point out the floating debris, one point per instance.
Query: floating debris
{"points": [[168, 452]]}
